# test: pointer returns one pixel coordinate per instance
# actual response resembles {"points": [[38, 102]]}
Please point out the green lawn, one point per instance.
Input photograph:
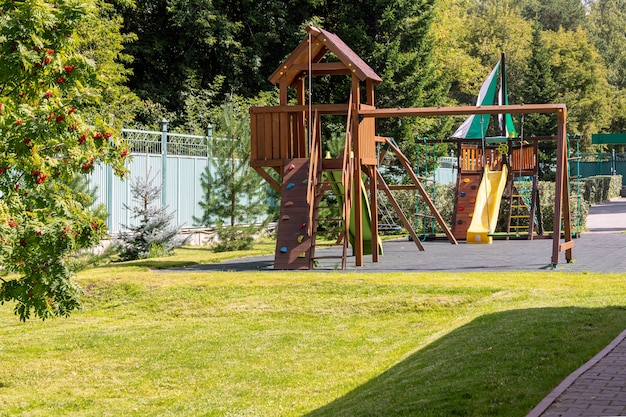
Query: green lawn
{"points": [[159, 343]]}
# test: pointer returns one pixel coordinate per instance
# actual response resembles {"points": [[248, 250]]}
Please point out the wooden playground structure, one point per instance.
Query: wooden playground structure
{"points": [[287, 151]]}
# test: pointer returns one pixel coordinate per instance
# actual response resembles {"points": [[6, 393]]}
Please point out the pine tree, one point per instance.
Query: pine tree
{"points": [[539, 87], [234, 194], [154, 235]]}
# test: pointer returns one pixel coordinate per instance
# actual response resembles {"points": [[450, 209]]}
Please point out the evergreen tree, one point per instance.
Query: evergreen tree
{"points": [[154, 235], [555, 14], [539, 87], [396, 40], [234, 193], [183, 47]]}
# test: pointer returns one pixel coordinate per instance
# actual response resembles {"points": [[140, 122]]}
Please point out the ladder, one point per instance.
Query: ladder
{"points": [[523, 206], [329, 228], [330, 198]]}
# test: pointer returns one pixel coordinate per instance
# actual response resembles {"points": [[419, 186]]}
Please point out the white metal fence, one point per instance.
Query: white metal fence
{"points": [[174, 161]]}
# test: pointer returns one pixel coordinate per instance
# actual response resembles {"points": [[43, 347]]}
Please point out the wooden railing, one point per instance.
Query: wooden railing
{"points": [[473, 160], [277, 134], [315, 165], [523, 158]]}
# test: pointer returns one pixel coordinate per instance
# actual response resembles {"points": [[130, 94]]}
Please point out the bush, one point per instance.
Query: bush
{"points": [[600, 188], [547, 198], [231, 238]]}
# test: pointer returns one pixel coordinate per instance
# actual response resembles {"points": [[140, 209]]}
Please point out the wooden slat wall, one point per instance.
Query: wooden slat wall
{"points": [[277, 135], [527, 162], [366, 138], [472, 159]]}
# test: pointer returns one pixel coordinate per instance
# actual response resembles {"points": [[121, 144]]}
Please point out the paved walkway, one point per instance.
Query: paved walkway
{"points": [[596, 389]]}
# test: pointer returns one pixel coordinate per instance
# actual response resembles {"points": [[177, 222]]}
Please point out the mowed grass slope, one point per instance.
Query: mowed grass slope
{"points": [[161, 343]]}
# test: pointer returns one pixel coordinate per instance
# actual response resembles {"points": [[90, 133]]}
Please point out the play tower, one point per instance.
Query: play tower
{"points": [[287, 150]]}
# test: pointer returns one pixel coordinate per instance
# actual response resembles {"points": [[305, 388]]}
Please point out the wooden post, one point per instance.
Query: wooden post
{"points": [[358, 192], [561, 204], [371, 172]]}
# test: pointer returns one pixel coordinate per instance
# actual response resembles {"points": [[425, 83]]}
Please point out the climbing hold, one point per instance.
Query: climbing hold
{"points": [[471, 215], [303, 225], [465, 180], [473, 200], [473, 187], [459, 222], [285, 218], [290, 185], [305, 181], [289, 204], [462, 194], [461, 208], [283, 249], [300, 238], [302, 255], [292, 166]]}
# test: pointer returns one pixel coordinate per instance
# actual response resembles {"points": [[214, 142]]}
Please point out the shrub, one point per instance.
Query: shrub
{"points": [[154, 236], [601, 188], [231, 238]]}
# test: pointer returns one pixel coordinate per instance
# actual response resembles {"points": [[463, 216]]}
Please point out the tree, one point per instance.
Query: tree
{"points": [[185, 46], [59, 67], [395, 39], [463, 72], [154, 235], [539, 87], [580, 76], [607, 31], [555, 14], [496, 26], [234, 193]]}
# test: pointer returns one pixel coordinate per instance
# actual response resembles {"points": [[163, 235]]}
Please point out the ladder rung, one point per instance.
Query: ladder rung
{"points": [[518, 227], [520, 217], [326, 245]]}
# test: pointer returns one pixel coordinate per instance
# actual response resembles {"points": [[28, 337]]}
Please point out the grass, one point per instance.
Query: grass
{"points": [[157, 343]]}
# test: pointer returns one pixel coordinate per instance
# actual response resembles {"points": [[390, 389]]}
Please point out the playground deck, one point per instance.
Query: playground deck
{"points": [[599, 250]]}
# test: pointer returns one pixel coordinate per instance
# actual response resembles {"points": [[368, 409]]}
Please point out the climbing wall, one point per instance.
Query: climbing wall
{"points": [[465, 201], [293, 245]]}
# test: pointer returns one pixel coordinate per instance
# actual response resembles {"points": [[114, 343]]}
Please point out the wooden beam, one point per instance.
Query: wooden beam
{"points": [[320, 108], [267, 177], [374, 209], [266, 163], [559, 109], [407, 225], [409, 170]]}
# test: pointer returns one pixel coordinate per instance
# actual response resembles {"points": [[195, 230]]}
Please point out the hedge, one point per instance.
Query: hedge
{"points": [[444, 201], [600, 188]]}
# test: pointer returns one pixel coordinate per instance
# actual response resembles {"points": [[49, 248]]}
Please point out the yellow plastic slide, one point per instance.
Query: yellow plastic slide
{"points": [[487, 206]]}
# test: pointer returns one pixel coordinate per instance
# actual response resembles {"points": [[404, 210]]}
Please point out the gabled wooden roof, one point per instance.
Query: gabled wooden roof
{"points": [[322, 42]]}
